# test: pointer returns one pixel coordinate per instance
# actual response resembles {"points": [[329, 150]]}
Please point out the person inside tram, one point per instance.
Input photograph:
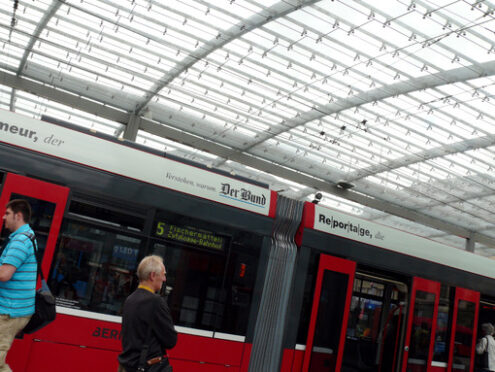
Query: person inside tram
{"points": [[485, 348]]}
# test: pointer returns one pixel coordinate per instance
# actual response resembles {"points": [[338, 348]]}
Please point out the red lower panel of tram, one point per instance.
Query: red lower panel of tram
{"points": [[80, 345]]}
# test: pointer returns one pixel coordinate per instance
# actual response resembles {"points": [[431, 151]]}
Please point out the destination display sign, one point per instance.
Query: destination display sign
{"points": [[190, 235]]}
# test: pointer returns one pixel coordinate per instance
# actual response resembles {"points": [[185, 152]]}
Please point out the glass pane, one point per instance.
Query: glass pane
{"points": [[41, 220], [373, 330], [194, 282], [239, 286], [486, 315], [390, 339], [309, 288], [442, 334], [362, 334], [211, 271], [94, 268], [421, 331], [329, 322], [463, 339], [106, 215]]}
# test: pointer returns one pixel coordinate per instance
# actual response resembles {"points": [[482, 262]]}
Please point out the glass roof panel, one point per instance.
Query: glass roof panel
{"points": [[5, 94], [37, 107], [298, 91]]}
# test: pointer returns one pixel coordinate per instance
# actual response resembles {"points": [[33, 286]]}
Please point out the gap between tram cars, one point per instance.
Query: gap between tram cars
{"points": [[363, 297]]}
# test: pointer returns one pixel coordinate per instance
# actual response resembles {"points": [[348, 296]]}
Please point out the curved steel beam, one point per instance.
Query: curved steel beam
{"points": [[278, 10], [457, 75], [462, 146], [50, 12]]}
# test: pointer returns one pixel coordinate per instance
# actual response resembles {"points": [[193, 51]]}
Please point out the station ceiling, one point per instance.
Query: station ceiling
{"points": [[385, 107]]}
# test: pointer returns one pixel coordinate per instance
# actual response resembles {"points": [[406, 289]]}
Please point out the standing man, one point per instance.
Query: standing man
{"points": [[18, 270], [144, 309]]}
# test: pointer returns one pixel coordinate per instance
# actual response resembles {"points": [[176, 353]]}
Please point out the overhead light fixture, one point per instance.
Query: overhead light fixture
{"points": [[345, 185]]}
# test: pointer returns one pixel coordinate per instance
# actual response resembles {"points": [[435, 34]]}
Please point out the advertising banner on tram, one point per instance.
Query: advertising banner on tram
{"points": [[110, 156]]}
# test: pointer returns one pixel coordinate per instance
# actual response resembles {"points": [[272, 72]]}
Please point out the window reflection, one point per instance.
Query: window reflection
{"points": [[421, 331], [94, 268], [374, 321], [326, 341], [442, 334], [463, 339], [208, 289], [194, 281]]}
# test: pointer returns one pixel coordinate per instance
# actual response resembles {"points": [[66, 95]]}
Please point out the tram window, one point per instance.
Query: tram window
{"points": [[486, 315], [442, 334], [364, 318], [94, 268], [363, 328], [357, 285], [194, 280], [107, 215], [210, 283], [369, 287]]}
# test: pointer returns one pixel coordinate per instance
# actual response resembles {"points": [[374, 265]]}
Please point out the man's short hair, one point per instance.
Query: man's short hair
{"points": [[148, 265], [20, 205], [487, 328]]}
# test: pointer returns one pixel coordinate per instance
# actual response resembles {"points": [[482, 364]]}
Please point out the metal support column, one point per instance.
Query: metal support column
{"points": [[132, 127], [470, 242]]}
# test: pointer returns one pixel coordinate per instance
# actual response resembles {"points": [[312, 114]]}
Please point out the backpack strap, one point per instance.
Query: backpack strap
{"points": [[4, 244], [35, 249]]}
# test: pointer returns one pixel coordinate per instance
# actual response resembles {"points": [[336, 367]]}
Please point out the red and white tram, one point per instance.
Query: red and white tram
{"points": [[256, 282]]}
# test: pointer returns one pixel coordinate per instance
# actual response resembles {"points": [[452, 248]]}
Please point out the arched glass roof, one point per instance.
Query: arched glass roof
{"points": [[394, 98]]}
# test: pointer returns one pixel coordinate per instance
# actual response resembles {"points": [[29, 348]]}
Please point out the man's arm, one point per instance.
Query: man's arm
{"points": [[12, 258], [481, 345], [165, 330], [6, 272]]}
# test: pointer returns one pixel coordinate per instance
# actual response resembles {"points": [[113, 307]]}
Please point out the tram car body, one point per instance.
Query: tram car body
{"points": [[255, 281]]}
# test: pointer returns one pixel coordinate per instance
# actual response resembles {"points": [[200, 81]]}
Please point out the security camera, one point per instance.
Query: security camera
{"points": [[317, 198]]}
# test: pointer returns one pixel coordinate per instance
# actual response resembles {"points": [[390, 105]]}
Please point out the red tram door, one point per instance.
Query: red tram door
{"points": [[329, 315], [463, 332], [48, 203], [421, 326]]}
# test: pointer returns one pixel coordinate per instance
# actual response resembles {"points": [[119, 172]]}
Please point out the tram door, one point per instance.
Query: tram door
{"points": [[329, 315], [421, 326], [48, 204], [463, 332]]}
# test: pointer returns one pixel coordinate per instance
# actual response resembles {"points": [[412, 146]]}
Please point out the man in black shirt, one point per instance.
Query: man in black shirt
{"points": [[144, 309]]}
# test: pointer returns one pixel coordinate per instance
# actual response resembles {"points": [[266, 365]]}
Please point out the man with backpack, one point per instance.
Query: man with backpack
{"points": [[18, 272]]}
